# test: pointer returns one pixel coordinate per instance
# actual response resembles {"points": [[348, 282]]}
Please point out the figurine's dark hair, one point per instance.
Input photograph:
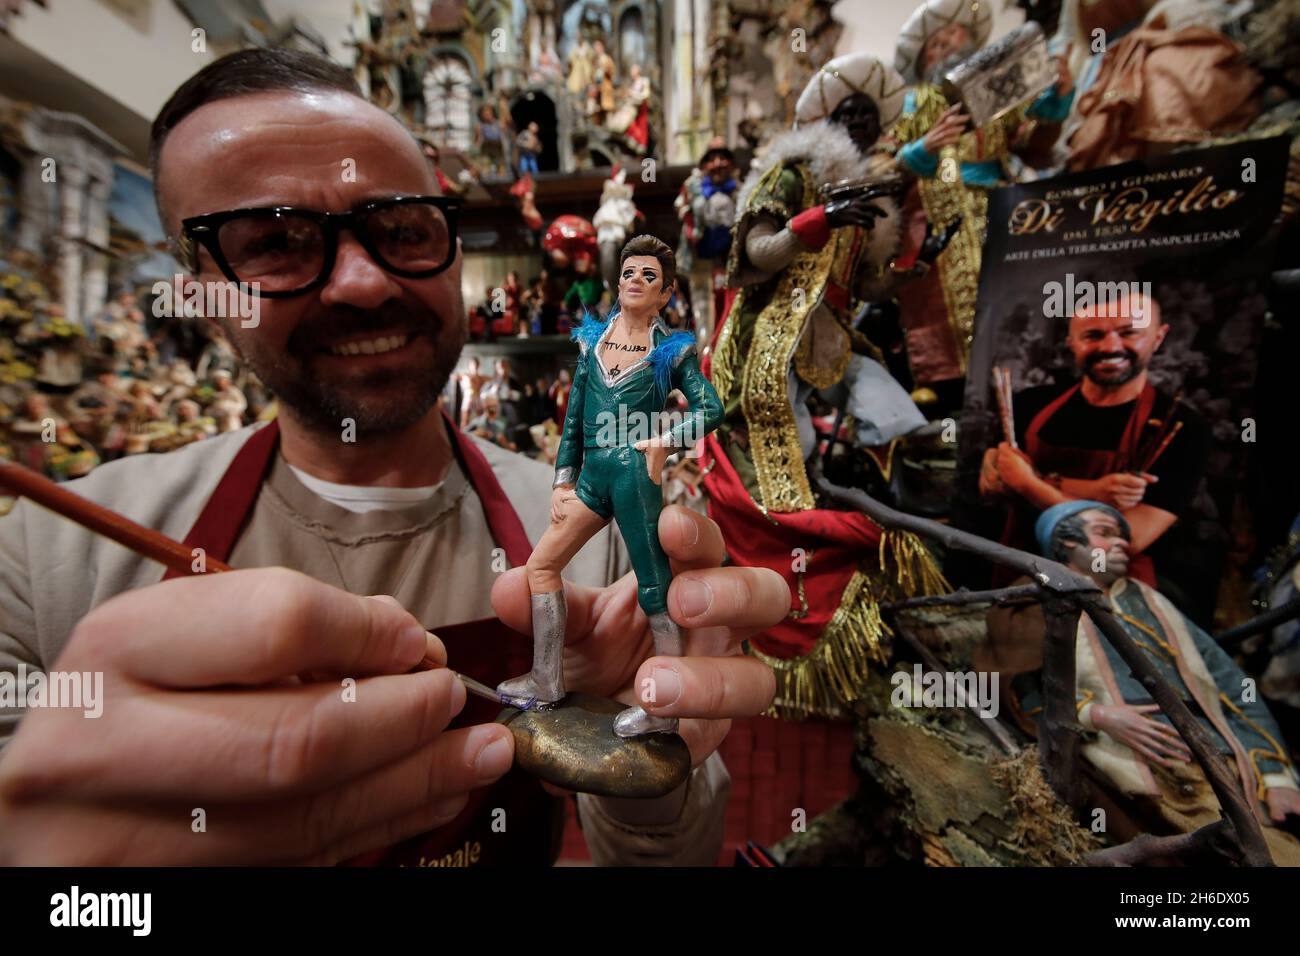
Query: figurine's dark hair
{"points": [[243, 73], [652, 246], [1072, 529]]}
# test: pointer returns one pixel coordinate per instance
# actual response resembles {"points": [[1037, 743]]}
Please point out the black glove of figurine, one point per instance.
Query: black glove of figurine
{"points": [[933, 245], [858, 211]]}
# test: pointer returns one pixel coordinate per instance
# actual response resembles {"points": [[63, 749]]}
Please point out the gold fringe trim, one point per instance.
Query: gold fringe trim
{"points": [[830, 675], [722, 370], [915, 570], [827, 679]]}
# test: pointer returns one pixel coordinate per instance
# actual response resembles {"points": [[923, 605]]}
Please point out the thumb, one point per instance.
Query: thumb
{"points": [[512, 603]]}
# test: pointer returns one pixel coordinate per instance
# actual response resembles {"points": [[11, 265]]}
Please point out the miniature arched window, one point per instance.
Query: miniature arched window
{"points": [[449, 101], [631, 39]]}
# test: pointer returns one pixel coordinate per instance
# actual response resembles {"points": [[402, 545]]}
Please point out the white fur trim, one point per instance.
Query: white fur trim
{"points": [[825, 146]]}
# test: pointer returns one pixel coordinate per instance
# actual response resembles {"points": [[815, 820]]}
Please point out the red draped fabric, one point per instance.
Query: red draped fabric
{"points": [[824, 545]]}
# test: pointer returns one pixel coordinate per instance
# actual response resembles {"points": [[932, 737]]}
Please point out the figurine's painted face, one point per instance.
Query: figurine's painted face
{"points": [[1113, 342], [859, 115], [718, 168], [1105, 557], [641, 285], [952, 42], [287, 149]]}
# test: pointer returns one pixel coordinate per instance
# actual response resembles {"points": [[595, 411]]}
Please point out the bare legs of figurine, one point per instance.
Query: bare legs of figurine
{"points": [[544, 684]]}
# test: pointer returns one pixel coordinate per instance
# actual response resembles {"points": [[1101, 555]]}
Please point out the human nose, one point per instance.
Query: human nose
{"points": [[357, 279]]}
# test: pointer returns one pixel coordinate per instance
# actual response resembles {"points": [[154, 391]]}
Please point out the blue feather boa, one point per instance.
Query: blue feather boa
{"points": [[588, 332], [662, 358]]}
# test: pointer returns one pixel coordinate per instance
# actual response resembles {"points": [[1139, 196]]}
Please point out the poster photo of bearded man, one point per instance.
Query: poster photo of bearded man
{"points": [[1125, 375]]}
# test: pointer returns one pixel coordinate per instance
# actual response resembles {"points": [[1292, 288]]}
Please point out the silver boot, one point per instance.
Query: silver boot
{"points": [[544, 684], [634, 720]]}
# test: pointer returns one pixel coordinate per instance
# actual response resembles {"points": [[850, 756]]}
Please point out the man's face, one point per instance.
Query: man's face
{"points": [[1112, 344], [1105, 557], [641, 284], [859, 115], [719, 169], [328, 152], [945, 48]]}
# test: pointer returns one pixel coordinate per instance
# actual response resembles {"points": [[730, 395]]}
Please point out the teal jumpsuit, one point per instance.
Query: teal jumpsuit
{"points": [[607, 415]]}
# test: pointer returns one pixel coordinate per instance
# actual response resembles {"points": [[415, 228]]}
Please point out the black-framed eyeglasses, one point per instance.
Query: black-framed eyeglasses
{"points": [[282, 251]]}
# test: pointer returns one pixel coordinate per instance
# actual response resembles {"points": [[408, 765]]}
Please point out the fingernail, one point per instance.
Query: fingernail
{"points": [[456, 699], [688, 529], [694, 597], [450, 808], [667, 686], [435, 652], [493, 760], [412, 642]]}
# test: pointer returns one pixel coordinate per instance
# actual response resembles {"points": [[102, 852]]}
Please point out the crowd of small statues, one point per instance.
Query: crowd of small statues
{"points": [[549, 304], [623, 113], [72, 397]]}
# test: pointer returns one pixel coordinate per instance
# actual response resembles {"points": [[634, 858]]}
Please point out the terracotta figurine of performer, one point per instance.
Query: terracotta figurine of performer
{"points": [[607, 467]]}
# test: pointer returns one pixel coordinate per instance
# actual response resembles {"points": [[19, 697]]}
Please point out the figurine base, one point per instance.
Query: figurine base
{"points": [[572, 744]]}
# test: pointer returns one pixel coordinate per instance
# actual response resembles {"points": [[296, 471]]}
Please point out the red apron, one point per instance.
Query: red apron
{"points": [[1084, 464], [529, 828]]}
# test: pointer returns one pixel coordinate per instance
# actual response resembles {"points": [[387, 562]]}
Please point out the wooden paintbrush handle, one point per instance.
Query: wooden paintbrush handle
{"points": [[177, 557]]}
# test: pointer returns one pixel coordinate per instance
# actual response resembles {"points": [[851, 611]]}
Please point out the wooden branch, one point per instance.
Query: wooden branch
{"points": [[1215, 838], [143, 541], [1050, 574], [990, 725], [1060, 737], [1225, 783], [1017, 594], [1270, 618], [1083, 594]]}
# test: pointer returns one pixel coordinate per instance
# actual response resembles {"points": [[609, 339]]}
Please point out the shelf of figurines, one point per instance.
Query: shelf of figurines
{"points": [[522, 345], [556, 187]]}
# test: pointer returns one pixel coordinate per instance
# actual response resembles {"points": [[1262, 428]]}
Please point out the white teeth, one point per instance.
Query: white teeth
{"points": [[371, 346]]}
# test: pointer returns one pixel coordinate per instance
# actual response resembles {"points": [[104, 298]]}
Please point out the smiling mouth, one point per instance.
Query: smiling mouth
{"points": [[374, 346]]}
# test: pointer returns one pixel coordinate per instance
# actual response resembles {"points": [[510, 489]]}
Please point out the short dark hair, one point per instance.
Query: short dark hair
{"points": [[243, 73], [1072, 529], [652, 246]]}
